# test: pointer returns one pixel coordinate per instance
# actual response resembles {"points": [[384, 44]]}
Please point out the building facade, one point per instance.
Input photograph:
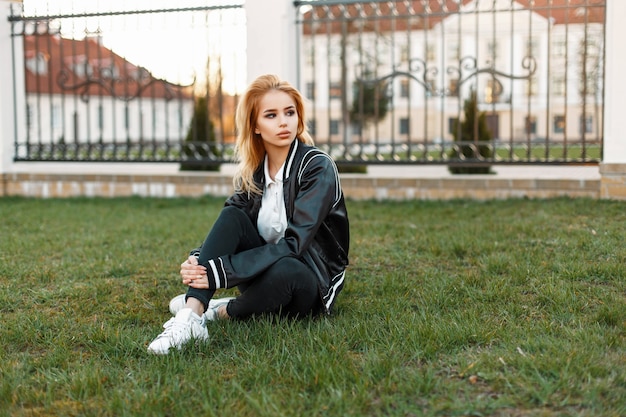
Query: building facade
{"points": [[78, 91], [536, 69]]}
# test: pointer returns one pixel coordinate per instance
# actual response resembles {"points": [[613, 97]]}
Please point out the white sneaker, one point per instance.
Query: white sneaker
{"points": [[211, 313], [178, 303], [180, 329]]}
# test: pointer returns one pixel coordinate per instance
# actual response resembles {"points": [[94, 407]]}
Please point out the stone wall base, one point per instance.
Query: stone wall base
{"points": [[613, 181], [356, 186]]}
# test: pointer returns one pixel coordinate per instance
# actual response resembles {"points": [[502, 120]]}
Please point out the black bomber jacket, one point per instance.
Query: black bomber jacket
{"points": [[317, 231]]}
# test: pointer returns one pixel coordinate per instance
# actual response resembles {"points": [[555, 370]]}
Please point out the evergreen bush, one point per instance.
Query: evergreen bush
{"points": [[200, 143], [477, 152]]}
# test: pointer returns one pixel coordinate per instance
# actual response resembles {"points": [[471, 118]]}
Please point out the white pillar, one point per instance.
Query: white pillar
{"points": [[271, 39], [615, 87], [613, 167], [8, 104]]}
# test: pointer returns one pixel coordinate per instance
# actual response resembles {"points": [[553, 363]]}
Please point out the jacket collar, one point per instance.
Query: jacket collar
{"points": [[290, 158], [259, 174]]}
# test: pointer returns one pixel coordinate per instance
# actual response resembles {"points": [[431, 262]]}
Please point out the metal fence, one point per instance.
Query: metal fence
{"points": [[458, 82], [130, 85]]}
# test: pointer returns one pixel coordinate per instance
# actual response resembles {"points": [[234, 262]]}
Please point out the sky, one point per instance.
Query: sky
{"points": [[172, 46]]}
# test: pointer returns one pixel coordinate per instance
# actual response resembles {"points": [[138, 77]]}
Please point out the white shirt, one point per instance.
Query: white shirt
{"points": [[272, 220]]}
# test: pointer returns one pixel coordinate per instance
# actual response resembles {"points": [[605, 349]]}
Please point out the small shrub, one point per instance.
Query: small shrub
{"points": [[468, 149], [351, 168], [200, 142]]}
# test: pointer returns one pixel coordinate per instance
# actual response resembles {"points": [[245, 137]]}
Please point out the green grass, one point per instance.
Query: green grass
{"points": [[459, 308]]}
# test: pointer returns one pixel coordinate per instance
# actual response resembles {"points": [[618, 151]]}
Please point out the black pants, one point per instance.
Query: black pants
{"points": [[288, 287]]}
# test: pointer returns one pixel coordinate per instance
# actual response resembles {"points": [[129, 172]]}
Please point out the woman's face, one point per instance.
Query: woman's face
{"points": [[277, 122]]}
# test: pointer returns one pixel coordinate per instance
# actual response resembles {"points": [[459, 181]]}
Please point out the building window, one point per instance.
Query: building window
{"points": [[112, 72], [430, 52], [454, 51], [530, 125], [312, 126], [310, 90], [29, 115], [452, 124], [138, 74], [404, 126], [559, 124], [591, 87], [38, 64], [382, 49], [532, 47], [404, 53], [334, 55], [334, 90], [81, 67], [126, 117], [492, 91], [404, 88], [100, 117], [56, 117], [310, 55], [558, 85], [431, 86], [141, 121], [559, 48], [492, 50], [334, 127], [357, 129], [532, 86], [453, 87], [586, 124]]}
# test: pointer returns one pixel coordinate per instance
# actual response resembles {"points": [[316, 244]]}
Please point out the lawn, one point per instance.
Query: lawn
{"points": [[451, 308]]}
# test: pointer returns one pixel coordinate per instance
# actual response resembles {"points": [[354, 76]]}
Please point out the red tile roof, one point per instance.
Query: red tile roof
{"points": [[57, 65], [568, 11], [378, 16]]}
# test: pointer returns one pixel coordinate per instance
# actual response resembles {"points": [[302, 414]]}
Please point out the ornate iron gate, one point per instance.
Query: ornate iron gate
{"points": [[130, 85], [462, 82], [458, 82]]}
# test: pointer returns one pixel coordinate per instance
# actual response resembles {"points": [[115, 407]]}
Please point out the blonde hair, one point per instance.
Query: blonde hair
{"points": [[249, 149]]}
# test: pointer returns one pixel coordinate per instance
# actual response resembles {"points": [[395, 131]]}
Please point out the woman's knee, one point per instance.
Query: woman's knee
{"points": [[295, 271], [234, 213], [289, 286], [234, 223]]}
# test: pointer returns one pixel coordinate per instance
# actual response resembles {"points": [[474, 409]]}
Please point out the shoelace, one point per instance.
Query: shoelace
{"points": [[168, 323], [173, 328]]}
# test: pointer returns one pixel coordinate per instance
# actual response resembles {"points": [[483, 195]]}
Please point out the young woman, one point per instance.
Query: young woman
{"points": [[282, 238]]}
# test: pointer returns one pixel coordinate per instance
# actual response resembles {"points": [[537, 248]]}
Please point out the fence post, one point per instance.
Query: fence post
{"points": [[271, 39], [7, 81], [613, 166]]}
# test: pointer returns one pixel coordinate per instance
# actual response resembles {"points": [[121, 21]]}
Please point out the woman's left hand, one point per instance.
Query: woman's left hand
{"points": [[194, 274]]}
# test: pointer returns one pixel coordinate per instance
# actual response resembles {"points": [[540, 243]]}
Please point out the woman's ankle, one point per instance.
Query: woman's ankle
{"points": [[195, 305], [222, 313]]}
